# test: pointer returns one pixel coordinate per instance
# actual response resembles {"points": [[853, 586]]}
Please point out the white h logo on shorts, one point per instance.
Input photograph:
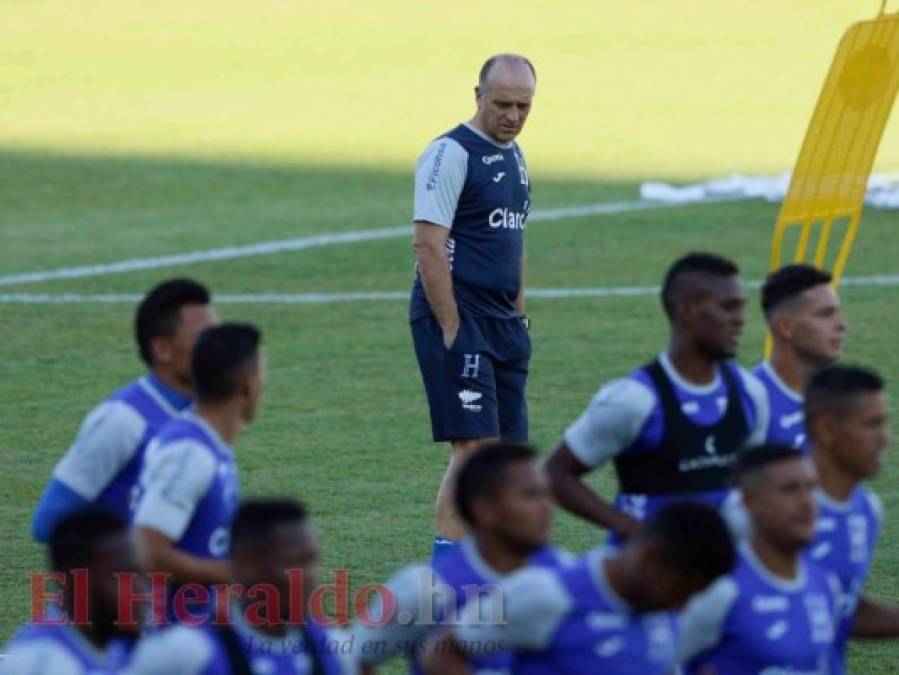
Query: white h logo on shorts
{"points": [[472, 365]]}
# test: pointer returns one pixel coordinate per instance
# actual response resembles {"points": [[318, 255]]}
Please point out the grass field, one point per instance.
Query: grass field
{"points": [[129, 132]]}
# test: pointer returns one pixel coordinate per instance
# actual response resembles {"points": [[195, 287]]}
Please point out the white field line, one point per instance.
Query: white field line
{"points": [[301, 244], [385, 296]]}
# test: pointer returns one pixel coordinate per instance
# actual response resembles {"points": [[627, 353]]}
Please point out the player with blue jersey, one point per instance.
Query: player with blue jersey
{"points": [[803, 314], [847, 421], [272, 545], [674, 427], [83, 638], [189, 484], [610, 613], [103, 464], [777, 611], [503, 497], [472, 198]]}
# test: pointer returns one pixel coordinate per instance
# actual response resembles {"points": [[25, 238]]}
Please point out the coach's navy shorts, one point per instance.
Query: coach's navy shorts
{"points": [[476, 387]]}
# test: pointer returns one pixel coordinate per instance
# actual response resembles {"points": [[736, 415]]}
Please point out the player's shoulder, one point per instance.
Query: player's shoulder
{"points": [[871, 501], [443, 149], [184, 455], [537, 591], [178, 649], [27, 655], [751, 383]]}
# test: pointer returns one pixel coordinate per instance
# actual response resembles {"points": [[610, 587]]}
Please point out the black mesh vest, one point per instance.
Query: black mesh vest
{"points": [[689, 458]]}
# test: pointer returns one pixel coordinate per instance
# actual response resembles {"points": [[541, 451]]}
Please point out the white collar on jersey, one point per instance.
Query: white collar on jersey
{"points": [[785, 585], [596, 565], [505, 146], [476, 560], [831, 503], [779, 383], [691, 387]]}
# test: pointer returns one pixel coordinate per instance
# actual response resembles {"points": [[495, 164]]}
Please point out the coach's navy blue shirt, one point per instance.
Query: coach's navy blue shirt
{"points": [[479, 190]]}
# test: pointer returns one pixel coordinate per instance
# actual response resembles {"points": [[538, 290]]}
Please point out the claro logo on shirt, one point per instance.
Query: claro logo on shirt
{"points": [[510, 220]]}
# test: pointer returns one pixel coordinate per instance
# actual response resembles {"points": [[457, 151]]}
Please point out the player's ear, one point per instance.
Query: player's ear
{"points": [[161, 349], [782, 325]]}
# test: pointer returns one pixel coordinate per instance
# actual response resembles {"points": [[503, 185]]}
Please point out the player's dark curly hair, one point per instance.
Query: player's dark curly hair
{"points": [[693, 263]]}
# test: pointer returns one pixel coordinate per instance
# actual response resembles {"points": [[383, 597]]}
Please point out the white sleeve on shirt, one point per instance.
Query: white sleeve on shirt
{"points": [[439, 178], [876, 506], [40, 656], [420, 599], [105, 443], [174, 480], [178, 650], [702, 621], [759, 396], [611, 422], [533, 604]]}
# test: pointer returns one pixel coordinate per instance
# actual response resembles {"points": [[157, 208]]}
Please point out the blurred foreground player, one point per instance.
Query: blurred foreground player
{"points": [[847, 420], [95, 541], [776, 612], [803, 315], [274, 553], [472, 198], [674, 427], [503, 497], [103, 464], [189, 485], [611, 613]]}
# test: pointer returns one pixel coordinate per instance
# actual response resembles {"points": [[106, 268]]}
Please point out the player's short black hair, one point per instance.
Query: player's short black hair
{"points": [[75, 537], [483, 473], [835, 387], [489, 63], [255, 519], [788, 282], [222, 357], [158, 313], [752, 460], [693, 263], [694, 539]]}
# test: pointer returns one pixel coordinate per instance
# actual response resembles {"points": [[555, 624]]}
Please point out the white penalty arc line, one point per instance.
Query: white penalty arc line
{"points": [[303, 243], [384, 296]]}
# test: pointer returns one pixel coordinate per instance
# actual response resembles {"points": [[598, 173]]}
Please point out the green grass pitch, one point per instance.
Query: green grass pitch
{"points": [[130, 130]]}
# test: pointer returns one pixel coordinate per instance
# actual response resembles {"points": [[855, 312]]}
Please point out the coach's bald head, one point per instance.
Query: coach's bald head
{"points": [[503, 96]]}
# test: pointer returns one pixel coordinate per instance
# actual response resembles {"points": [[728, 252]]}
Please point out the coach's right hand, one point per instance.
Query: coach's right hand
{"points": [[449, 334]]}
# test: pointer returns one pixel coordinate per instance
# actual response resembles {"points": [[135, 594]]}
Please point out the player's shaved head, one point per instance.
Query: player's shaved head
{"points": [[504, 65]]}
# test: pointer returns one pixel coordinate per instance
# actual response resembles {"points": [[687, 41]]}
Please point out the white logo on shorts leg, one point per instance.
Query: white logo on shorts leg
{"points": [[498, 177], [472, 366], [710, 445], [468, 398]]}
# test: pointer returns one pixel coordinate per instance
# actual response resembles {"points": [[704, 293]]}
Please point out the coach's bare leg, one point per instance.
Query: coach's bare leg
{"points": [[449, 525]]}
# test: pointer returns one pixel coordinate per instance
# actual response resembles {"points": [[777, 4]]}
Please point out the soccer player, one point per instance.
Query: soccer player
{"points": [[469, 328], [102, 465], [608, 614], [803, 315], [846, 417], [85, 639], [189, 484], [504, 499], [777, 611], [274, 553], [674, 427]]}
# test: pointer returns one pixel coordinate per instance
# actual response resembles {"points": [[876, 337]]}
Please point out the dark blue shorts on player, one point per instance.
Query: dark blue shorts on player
{"points": [[476, 387]]}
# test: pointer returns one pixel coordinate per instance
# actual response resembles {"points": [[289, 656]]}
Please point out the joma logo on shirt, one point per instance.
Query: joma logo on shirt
{"points": [[510, 220]]}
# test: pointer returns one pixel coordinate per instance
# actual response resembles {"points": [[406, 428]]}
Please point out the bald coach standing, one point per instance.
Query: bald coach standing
{"points": [[472, 198]]}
